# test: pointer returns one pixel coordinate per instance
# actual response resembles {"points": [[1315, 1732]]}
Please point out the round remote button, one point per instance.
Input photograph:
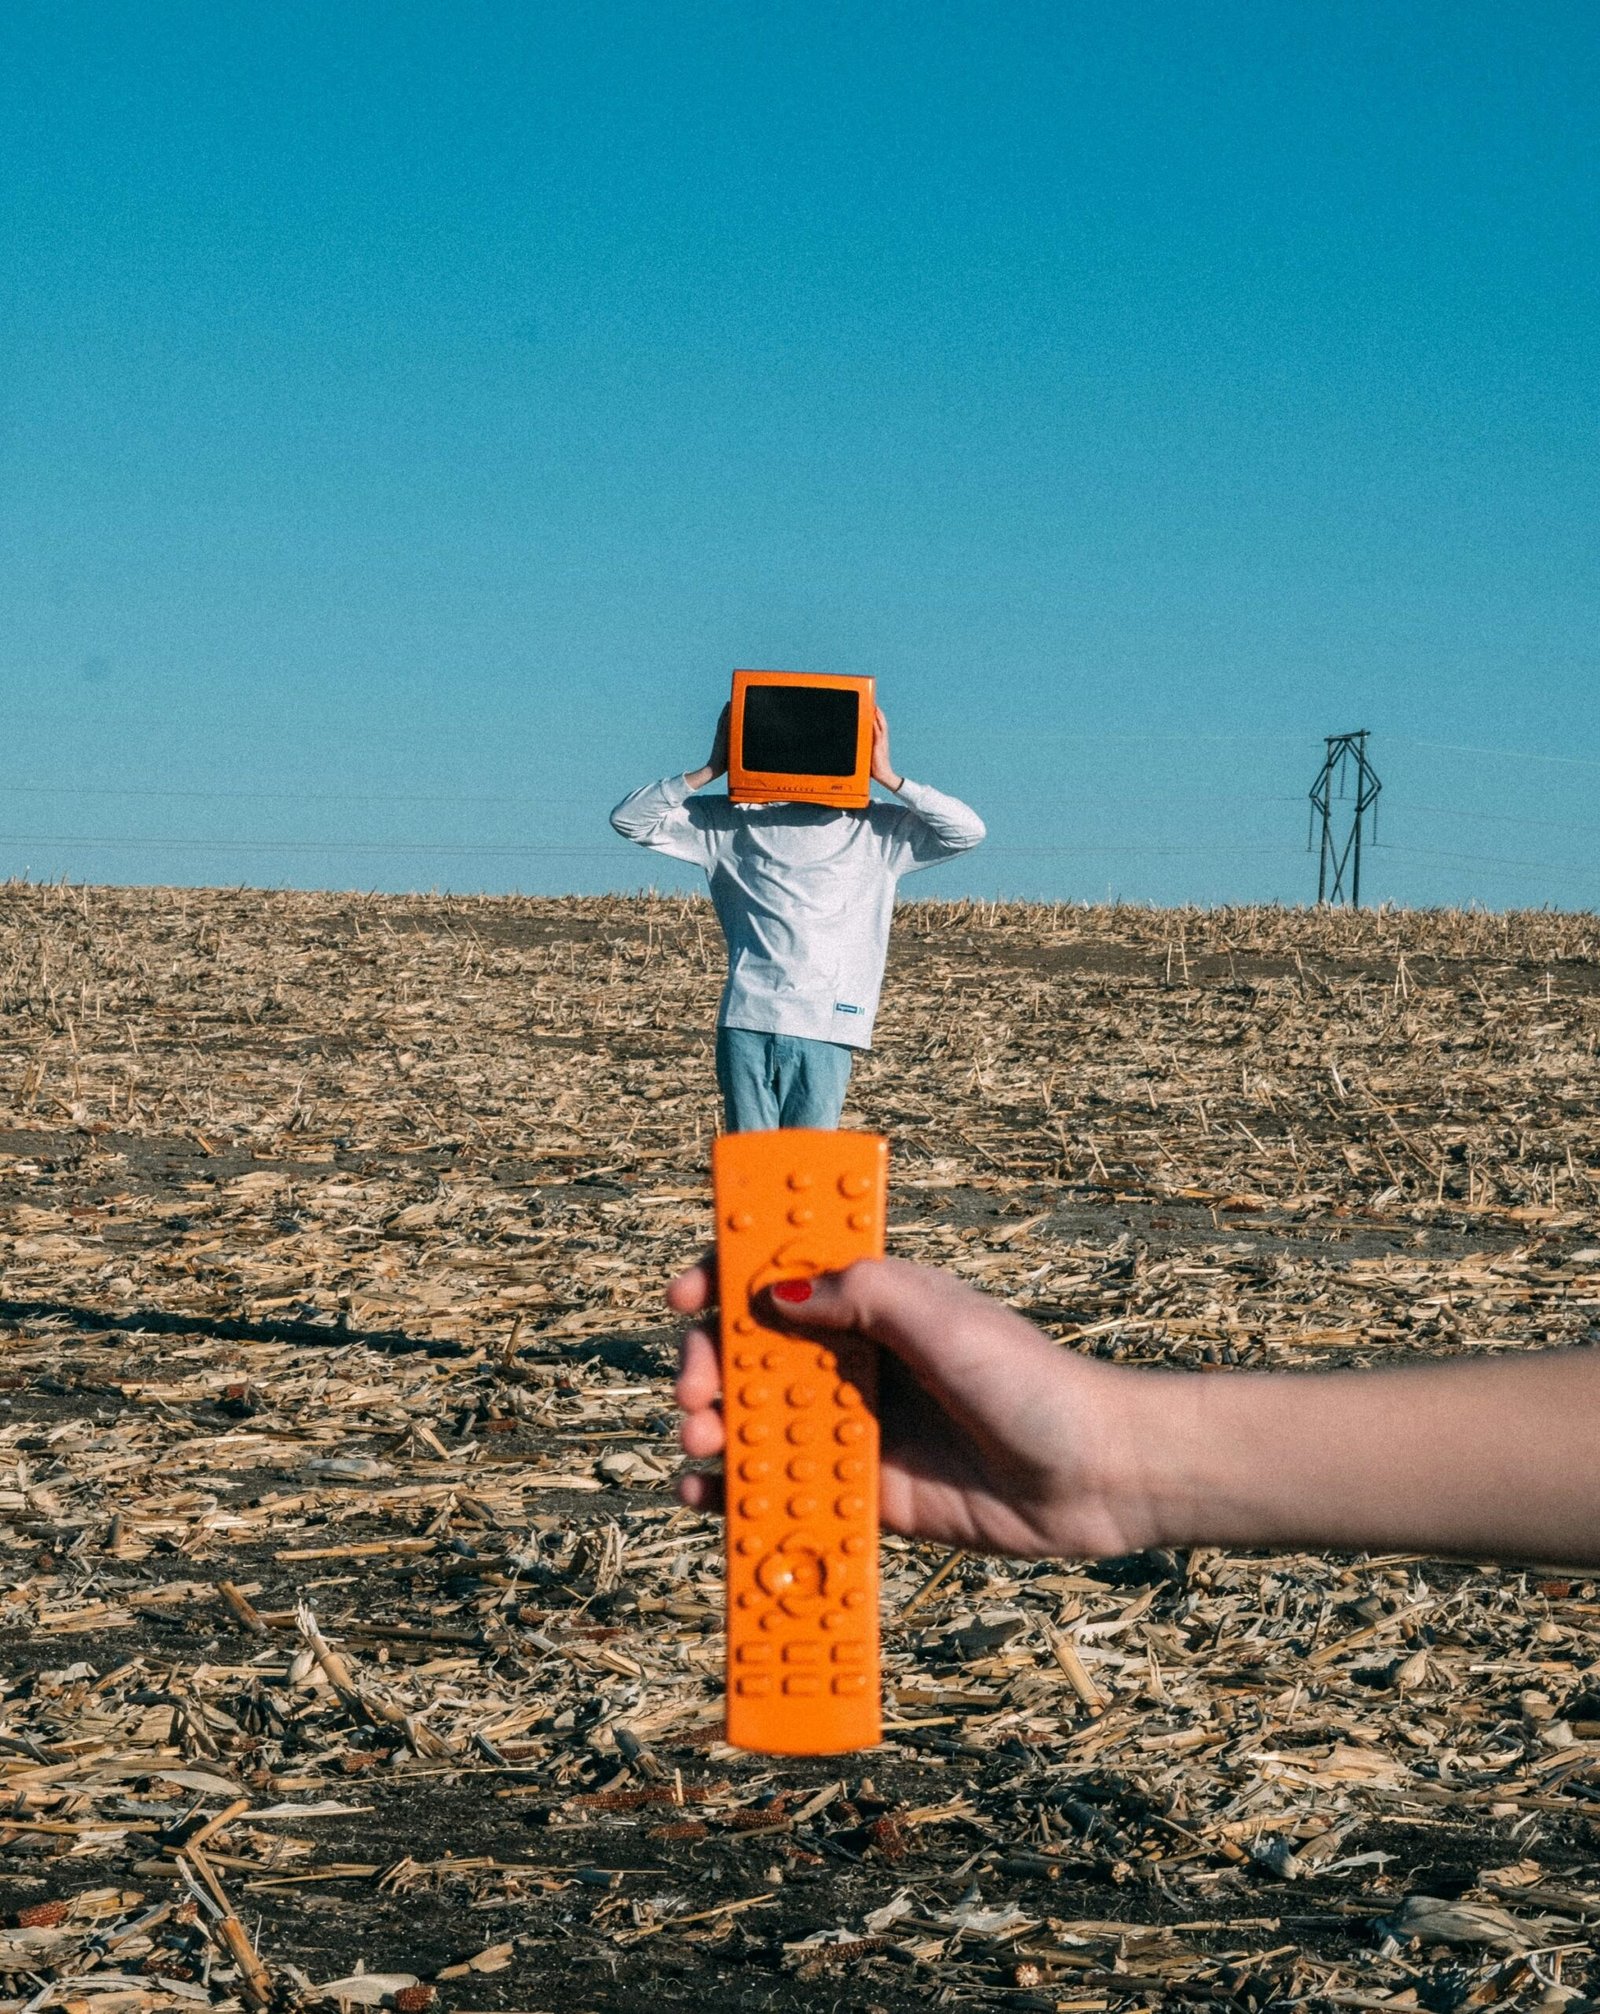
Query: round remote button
{"points": [[756, 1469], [801, 1178], [773, 1360], [744, 1325], [854, 1185], [745, 1360], [847, 1432], [853, 1544], [754, 1432], [750, 1599], [755, 1396], [861, 1220], [855, 1598], [804, 1470], [800, 1214], [805, 1429], [802, 1506], [850, 1470], [772, 1620], [847, 1394], [827, 1363], [850, 1506], [834, 1620], [749, 1544], [802, 1394], [754, 1506], [739, 1220]]}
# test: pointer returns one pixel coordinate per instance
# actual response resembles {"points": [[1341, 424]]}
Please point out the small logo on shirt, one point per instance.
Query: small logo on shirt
{"points": [[844, 1007]]}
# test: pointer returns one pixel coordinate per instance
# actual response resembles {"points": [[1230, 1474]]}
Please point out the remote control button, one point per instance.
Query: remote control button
{"points": [[827, 1363], [802, 1178], [773, 1621], [806, 1429], [854, 1598], [774, 1360], [853, 1543], [846, 1433], [848, 1395], [834, 1620], [845, 1653], [803, 1394], [744, 1325], [800, 1214], [803, 1470], [850, 1470], [749, 1544], [740, 1220], [802, 1653], [802, 1686], [754, 1506], [854, 1185], [755, 1687], [801, 1507], [846, 1683], [754, 1432], [749, 1599], [754, 1469], [850, 1508], [793, 1570], [861, 1220], [755, 1395], [761, 1653], [746, 1360]]}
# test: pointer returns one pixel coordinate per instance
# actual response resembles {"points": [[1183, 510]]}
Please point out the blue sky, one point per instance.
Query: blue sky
{"points": [[410, 414]]}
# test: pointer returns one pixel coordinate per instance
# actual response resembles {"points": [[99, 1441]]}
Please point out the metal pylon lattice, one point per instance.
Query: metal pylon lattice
{"points": [[1347, 778]]}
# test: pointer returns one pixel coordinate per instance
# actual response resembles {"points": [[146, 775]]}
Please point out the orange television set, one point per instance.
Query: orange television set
{"points": [[800, 737]]}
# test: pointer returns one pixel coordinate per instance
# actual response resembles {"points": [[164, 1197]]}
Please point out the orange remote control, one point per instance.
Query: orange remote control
{"points": [[802, 1445]]}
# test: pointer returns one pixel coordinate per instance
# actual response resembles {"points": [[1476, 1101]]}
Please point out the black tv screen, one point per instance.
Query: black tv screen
{"points": [[800, 730]]}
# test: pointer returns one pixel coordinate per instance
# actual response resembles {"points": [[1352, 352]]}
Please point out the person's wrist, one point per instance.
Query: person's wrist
{"points": [[1140, 1432]]}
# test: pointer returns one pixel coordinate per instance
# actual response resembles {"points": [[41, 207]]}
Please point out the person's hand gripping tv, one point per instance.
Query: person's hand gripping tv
{"points": [[997, 1439], [883, 769], [716, 763]]}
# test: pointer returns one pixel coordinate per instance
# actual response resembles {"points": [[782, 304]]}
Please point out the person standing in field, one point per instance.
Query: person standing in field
{"points": [[805, 895]]}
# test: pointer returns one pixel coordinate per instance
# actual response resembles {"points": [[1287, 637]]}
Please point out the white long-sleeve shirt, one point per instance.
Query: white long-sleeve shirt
{"points": [[804, 894]]}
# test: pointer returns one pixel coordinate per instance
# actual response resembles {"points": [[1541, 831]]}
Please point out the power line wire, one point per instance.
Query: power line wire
{"points": [[288, 845], [1495, 754], [453, 847], [1485, 859], [272, 796]]}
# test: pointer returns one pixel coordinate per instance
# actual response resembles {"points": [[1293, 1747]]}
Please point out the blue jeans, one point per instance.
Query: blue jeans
{"points": [[780, 1080]]}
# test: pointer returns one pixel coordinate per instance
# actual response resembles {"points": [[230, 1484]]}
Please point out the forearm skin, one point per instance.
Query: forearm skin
{"points": [[1472, 1459]]}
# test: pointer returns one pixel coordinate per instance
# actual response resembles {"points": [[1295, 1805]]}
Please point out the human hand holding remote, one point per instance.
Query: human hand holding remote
{"points": [[997, 1439], [993, 1438]]}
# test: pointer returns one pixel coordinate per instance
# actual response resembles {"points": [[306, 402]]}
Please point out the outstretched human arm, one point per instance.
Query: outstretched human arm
{"points": [[932, 827], [657, 815], [997, 1439]]}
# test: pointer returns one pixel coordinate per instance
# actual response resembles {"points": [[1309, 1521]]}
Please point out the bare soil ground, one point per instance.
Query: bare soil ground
{"points": [[347, 1618]]}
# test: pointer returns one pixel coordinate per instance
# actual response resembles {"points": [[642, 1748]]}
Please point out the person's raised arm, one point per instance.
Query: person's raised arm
{"points": [[997, 1439], [933, 826], [658, 816]]}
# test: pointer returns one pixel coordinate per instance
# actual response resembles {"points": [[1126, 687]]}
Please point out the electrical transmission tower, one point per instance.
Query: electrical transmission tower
{"points": [[1347, 753]]}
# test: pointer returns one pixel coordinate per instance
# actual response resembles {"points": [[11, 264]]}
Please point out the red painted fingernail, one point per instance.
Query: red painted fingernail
{"points": [[792, 1290]]}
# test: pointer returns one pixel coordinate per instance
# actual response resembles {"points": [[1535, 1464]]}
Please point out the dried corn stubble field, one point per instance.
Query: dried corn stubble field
{"points": [[349, 1624]]}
